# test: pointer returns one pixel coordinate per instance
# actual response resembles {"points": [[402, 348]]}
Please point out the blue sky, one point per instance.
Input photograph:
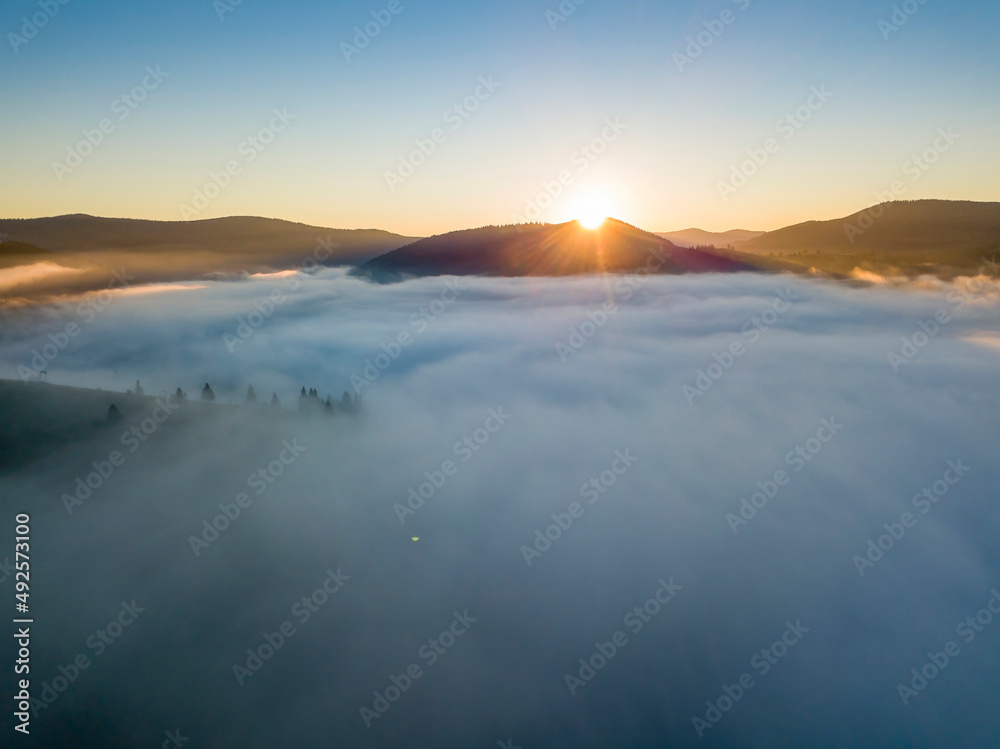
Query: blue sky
{"points": [[686, 130]]}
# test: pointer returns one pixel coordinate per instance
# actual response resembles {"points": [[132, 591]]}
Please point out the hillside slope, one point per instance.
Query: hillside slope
{"points": [[701, 238], [543, 250], [79, 253], [240, 235], [937, 228], [910, 238]]}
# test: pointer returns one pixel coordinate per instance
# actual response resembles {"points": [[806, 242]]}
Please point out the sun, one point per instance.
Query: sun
{"points": [[591, 221], [591, 207]]}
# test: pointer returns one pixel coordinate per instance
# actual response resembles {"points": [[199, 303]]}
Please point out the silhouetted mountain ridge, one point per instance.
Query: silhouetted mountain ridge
{"points": [[700, 238], [242, 235], [938, 228], [87, 249], [543, 250]]}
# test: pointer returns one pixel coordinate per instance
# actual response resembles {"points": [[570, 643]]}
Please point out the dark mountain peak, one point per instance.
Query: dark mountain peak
{"points": [[542, 250], [940, 228]]}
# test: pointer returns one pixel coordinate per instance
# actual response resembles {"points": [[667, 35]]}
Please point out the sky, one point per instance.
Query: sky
{"points": [[816, 377], [533, 86]]}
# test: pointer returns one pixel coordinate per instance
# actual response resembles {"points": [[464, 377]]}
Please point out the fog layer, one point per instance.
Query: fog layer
{"points": [[681, 471]]}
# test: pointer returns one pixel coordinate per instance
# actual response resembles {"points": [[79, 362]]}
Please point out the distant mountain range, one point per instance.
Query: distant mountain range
{"points": [[72, 254], [905, 238], [701, 238], [243, 236], [543, 250], [932, 227], [908, 238], [174, 250]]}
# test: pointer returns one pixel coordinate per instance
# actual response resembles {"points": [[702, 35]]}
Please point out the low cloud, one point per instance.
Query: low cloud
{"points": [[660, 522], [23, 275]]}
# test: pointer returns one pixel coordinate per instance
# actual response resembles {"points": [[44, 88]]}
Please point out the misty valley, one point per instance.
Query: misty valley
{"points": [[473, 465], [523, 375]]}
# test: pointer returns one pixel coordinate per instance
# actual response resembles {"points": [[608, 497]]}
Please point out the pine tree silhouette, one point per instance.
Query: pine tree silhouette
{"points": [[207, 394], [275, 403], [251, 395], [348, 404], [114, 415], [138, 388], [180, 395]]}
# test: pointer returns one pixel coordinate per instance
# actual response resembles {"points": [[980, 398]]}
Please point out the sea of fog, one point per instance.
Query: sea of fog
{"points": [[707, 510]]}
